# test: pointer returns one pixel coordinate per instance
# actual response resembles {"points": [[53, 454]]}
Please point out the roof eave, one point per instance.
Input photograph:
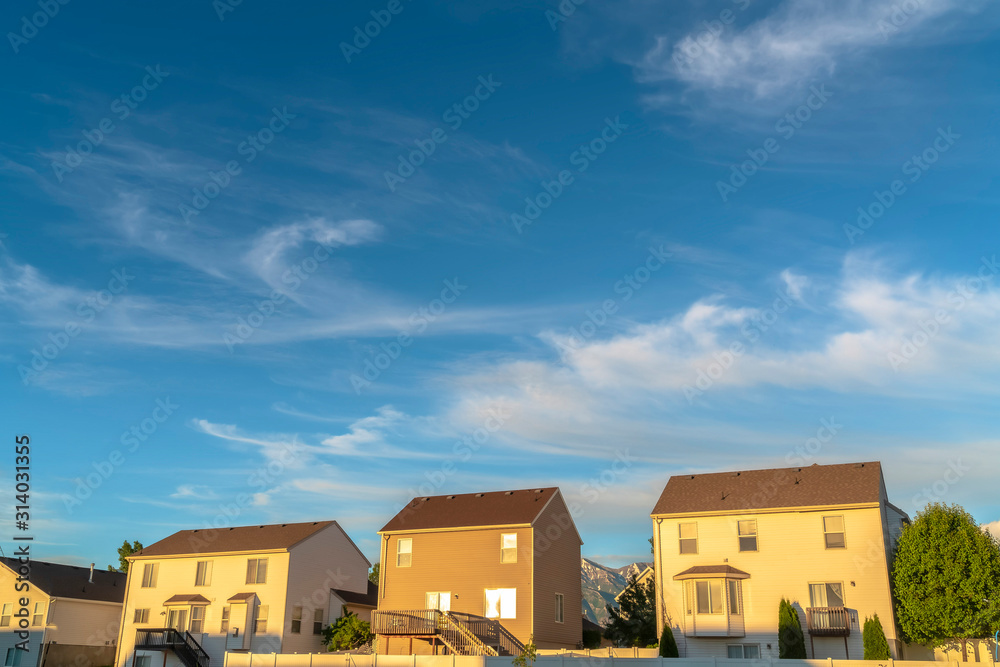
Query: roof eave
{"points": [[766, 510]]}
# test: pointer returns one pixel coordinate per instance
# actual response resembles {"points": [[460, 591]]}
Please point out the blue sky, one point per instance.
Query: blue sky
{"points": [[256, 268]]}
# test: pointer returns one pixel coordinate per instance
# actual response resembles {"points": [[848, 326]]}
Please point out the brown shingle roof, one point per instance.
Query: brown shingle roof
{"points": [[496, 508], [70, 581], [814, 485], [709, 571], [242, 538], [191, 598], [369, 599]]}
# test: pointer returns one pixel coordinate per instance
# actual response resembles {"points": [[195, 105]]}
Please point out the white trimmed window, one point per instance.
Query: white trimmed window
{"points": [[149, 572], [140, 616], [317, 621], [826, 595], [560, 608], [508, 548], [260, 623], [38, 617], [501, 603], [438, 600], [256, 570], [203, 573], [708, 596], [744, 651], [688, 536], [224, 625], [833, 532], [748, 534], [734, 596], [296, 620], [404, 552], [197, 620]]}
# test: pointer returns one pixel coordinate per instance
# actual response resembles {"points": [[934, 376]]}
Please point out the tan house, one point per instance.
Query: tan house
{"points": [[67, 611], [265, 589], [729, 546], [480, 573]]}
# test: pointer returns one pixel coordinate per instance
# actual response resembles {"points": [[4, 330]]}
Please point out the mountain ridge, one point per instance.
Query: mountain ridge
{"points": [[601, 584]]}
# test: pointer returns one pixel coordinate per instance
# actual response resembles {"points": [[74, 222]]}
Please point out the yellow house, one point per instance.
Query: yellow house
{"points": [[58, 612], [266, 589], [729, 546], [480, 573]]}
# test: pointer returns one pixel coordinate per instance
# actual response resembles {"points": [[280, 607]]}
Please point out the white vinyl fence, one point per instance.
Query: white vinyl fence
{"points": [[581, 658]]}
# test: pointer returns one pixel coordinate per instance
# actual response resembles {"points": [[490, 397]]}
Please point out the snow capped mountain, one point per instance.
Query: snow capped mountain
{"points": [[601, 584]]}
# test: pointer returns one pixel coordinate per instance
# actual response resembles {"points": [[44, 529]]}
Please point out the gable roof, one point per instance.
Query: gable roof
{"points": [[494, 508], [70, 581], [711, 571], [241, 538], [368, 599], [815, 485]]}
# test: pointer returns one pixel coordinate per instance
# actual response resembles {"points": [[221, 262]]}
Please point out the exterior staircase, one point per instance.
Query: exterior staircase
{"points": [[182, 644], [463, 634]]}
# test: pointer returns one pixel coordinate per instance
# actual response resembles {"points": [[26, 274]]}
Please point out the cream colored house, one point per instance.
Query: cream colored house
{"points": [[71, 611], [267, 589], [728, 546], [480, 573]]}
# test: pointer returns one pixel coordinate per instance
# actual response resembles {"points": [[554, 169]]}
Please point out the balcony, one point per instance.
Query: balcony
{"points": [[828, 621]]}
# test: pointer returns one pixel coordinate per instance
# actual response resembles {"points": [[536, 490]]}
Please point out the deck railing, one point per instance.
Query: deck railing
{"points": [[181, 643], [828, 621]]}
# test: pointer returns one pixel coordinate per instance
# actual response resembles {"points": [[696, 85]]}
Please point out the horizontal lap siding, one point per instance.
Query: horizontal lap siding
{"points": [[791, 555], [464, 563], [557, 570]]}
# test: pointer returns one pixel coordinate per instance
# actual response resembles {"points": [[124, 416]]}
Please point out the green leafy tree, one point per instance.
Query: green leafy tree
{"points": [[946, 579], [668, 646], [124, 551], [373, 574], [876, 646], [633, 622], [791, 641], [349, 632], [528, 655]]}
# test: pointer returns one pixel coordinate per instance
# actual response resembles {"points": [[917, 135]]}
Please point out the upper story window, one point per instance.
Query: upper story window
{"points": [[747, 529], [149, 571], [5, 614], [826, 595], [296, 620], [404, 552], [560, 608], [203, 573], [140, 616], [38, 617], [833, 532], [257, 571], [508, 548], [688, 538]]}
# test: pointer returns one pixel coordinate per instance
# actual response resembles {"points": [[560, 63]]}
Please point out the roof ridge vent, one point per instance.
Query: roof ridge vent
{"points": [[508, 493], [451, 497], [736, 474], [480, 495], [856, 465]]}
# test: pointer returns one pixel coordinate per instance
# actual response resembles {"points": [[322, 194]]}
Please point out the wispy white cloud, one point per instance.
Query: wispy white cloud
{"points": [[794, 43]]}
